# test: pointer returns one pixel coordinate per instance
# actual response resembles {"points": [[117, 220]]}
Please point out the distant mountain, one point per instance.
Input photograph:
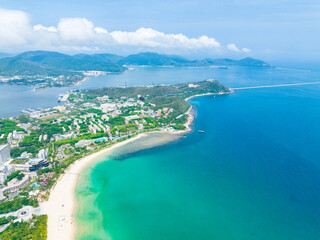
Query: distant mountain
{"points": [[54, 63], [3, 55], [111, 58], [249, 62], [155, 59]]}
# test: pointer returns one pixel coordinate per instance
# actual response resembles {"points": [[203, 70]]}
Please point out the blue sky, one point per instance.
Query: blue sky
{"points": [[271, 30]]}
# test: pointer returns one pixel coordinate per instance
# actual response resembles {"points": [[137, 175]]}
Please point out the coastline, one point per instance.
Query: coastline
{"points": [[61, 203], [60, 207]]}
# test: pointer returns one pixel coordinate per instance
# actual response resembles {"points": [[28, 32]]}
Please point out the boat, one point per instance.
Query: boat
{"points": [[201, 131], [24, 111], [60, 97]]}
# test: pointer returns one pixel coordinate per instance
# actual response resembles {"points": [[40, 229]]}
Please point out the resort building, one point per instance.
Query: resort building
{"points": [[83, 143], [14, 185], [4, 154], [43, 153], [5, 171]]}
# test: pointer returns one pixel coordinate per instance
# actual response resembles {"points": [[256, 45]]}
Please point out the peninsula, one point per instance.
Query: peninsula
{"points": [[38, 148]]}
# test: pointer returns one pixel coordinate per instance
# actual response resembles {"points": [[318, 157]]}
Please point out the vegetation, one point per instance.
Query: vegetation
{"points": [[155, 59], [55, 64], [3, 221], [16, 152], [13, 175], [162, 96], [7, 126], [179, 127], [44, 170], [73, 141], [35, 229], [14, 205]]}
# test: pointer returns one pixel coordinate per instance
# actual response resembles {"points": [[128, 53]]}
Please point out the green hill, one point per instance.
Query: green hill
{"points": [[153, 59], [54, 63], [249, 62]]}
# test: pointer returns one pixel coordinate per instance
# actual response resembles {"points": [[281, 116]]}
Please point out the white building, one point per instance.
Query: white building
{"points": [[43, 153], [14, 185], [103, 98], [84, 143], [63, 137], [108, 107], [5, 171], [4, 154]]}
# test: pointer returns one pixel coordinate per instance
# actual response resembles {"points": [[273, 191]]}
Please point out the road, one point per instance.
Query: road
{"points": [[279, 85], [24, 214]]}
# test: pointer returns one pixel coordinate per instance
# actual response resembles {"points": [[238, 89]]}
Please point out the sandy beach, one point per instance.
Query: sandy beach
{"points": [[60, 206], [61, 203]]}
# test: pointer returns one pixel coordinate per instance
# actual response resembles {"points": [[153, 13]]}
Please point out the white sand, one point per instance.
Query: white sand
{"points": [[60, 206], [61, 203]]}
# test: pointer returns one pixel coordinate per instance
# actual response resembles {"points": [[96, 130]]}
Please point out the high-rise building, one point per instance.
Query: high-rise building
{"points": [[4, 154], [43, 153]]}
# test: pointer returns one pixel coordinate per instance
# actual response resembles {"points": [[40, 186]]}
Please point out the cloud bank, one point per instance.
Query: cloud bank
{"points": [[79, 34]]}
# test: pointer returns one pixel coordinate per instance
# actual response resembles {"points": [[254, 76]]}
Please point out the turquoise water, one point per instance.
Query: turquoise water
{"points": [[253, 174]]}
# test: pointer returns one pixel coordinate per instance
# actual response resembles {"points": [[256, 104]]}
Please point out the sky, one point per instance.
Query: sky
{"points": [[266, 29]]}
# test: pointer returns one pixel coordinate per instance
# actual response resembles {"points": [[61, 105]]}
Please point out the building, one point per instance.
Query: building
{"points": [[63, 137], [14, 185], [108, 107], [21, 167], [60, 108], [37, 163], [103, 98], [4, 154], [5, 171], [83, 143], [18, 135], [43, 153]]}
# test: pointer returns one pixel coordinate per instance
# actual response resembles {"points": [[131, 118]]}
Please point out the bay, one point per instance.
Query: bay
{"points": [[253, 174]]}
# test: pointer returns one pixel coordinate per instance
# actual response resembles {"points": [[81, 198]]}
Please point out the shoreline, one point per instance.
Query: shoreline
{"points": [[60, 206]]}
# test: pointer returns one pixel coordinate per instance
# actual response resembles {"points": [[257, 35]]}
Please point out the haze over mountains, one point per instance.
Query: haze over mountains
{"points": [[54, 63]]}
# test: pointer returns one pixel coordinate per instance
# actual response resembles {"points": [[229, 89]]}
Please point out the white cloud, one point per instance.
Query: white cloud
{"points": [[152, 38], [233, 47], [76, 30], [100, 30], [40, 27], [80, 34], [15, 29]]}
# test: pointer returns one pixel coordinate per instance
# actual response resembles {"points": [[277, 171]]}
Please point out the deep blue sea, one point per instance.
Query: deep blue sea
{"points": [[253, 174]]}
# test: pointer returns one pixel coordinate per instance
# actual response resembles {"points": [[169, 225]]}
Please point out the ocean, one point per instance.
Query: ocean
{"points": [[253, 174]]}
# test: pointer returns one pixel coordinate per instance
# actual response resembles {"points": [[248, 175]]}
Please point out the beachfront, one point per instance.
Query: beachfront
{"points": [[61, 203]]}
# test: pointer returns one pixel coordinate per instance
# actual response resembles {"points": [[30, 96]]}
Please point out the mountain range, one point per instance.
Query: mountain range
{"points": [[54, 63]]}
